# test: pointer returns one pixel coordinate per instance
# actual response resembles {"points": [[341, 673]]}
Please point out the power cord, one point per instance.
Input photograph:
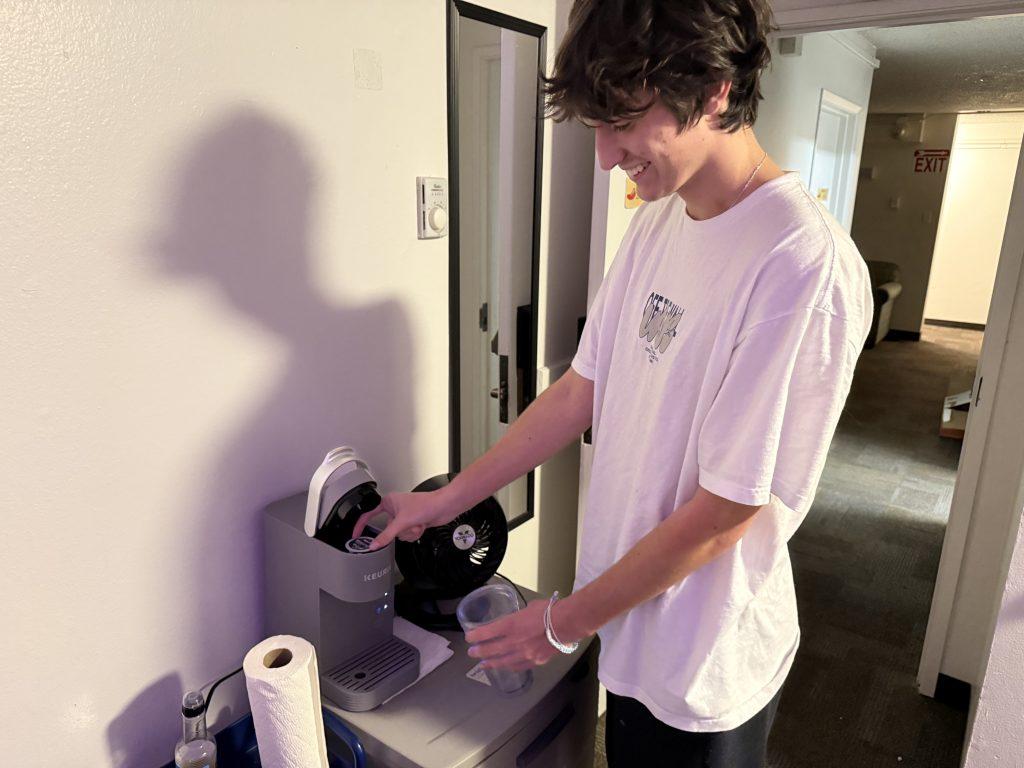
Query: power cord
{"points": [[209, 696]]}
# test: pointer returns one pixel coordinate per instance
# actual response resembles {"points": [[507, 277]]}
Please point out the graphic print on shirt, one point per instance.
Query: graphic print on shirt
{"points": [[658, 326]]}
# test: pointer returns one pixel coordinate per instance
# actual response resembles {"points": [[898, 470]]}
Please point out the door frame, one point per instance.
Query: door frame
{"points": [[850, 15], [1007, 290], [847, 111]]}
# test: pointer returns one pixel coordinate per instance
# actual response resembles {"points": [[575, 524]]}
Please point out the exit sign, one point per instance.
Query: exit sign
{"points": [[930, 160]]}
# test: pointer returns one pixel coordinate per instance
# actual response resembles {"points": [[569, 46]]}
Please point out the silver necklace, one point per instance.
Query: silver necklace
{"points": [[750, 179]]}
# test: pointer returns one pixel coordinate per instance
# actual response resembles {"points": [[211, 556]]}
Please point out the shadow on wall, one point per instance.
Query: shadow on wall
{"points": [[130, 734], [240, 223], [1014, 611]]}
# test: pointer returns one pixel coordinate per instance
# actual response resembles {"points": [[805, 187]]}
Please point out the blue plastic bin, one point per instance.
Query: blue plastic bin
{"points": [[236, 745]]}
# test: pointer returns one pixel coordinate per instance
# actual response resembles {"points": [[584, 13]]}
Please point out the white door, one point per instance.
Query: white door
{"points": [[828, 156], [832, 163], [972, 220]]}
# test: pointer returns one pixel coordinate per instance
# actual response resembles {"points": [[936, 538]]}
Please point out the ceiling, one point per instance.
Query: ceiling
{"points": [[959, 66]]}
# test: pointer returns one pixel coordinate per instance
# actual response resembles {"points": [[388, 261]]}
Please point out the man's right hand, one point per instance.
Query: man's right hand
{"points": [[557, 417], [409, 514]]}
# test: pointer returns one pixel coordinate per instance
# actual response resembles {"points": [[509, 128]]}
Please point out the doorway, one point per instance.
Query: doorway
{"points": [[973, 218]]}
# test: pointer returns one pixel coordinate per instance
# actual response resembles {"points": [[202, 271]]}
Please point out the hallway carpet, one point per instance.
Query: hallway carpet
{"points": [[864, 562]]}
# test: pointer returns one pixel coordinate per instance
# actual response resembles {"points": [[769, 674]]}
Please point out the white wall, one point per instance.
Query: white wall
{"points": [[619, 215], [787, 120], [996, 737], [211, 276], [569, 151], [973, 217], [904, 235], [563, 289]]}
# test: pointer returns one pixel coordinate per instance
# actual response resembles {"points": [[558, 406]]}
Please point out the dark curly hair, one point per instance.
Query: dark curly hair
{"points": [[619, 56]]}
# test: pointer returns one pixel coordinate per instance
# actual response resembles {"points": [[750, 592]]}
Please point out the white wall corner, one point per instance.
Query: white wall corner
{"points": [[993, 734], [858, 45]]}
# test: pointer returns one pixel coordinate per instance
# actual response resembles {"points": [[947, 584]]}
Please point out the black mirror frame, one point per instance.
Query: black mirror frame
{"points": [[459, 9]]}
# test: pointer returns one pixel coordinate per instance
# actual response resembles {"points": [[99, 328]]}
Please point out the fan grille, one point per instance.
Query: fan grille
{"points": [[438, 566]]}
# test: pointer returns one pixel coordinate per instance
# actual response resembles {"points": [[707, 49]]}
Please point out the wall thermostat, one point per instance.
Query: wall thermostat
{"points": [[431, 207]]}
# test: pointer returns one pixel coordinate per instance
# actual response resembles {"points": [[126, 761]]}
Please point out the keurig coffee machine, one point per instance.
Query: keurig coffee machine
{"points": [[323, 585]]}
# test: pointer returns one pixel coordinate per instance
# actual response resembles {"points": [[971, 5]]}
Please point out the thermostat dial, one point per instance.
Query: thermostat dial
{"points": [[431, 207]]}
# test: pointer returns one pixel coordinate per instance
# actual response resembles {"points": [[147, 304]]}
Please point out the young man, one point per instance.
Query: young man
{"points": [[713, 368]]}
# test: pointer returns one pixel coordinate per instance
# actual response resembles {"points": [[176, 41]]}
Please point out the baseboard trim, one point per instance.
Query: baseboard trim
{"points": [[953, 693], [955, 324], [894, 335]]}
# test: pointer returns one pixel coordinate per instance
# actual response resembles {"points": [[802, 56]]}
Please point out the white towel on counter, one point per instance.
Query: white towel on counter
{"points": [[434, 649]]}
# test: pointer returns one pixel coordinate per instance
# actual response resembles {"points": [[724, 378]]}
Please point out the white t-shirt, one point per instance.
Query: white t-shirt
{"points": [[721, 353]]}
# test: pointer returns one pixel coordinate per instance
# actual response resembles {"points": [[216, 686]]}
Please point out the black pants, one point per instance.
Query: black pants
{"points": [[634, 737]]}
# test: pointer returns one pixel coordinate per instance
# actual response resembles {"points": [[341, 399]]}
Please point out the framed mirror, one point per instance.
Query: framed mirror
{"points": [[495, 150]]}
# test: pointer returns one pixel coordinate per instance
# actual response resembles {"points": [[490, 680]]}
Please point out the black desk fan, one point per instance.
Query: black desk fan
{"points": [[449, 561]]}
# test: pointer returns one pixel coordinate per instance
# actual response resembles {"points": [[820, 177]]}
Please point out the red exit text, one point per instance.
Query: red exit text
{"points": [[930, 160]]}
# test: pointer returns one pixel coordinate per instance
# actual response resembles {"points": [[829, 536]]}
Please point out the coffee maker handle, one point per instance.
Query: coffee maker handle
{"points": [[334, 459]]}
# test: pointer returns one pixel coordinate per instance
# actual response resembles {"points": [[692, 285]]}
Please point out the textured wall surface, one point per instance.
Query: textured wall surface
{"points": [[953, 67], [997, 739], [210, 277]]}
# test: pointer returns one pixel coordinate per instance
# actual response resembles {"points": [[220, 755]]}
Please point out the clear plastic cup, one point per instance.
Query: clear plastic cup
{"points": [[482, 606]]}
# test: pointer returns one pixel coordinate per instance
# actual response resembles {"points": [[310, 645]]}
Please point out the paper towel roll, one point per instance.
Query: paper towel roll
{"points": [[284, 693]]}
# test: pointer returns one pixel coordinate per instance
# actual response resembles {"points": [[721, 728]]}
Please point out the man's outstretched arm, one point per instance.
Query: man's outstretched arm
{"points": [[557, 417]]}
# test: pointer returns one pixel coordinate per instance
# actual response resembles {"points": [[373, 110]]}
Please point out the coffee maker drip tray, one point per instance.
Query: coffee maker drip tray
{"points": [[369, 678]]}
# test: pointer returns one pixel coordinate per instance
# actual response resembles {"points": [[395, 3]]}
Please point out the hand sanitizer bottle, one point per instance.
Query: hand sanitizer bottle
{"points": [[196, 749]]}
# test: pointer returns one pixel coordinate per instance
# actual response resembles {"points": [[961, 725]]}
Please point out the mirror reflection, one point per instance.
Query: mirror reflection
{"points": [[497, 151]]}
